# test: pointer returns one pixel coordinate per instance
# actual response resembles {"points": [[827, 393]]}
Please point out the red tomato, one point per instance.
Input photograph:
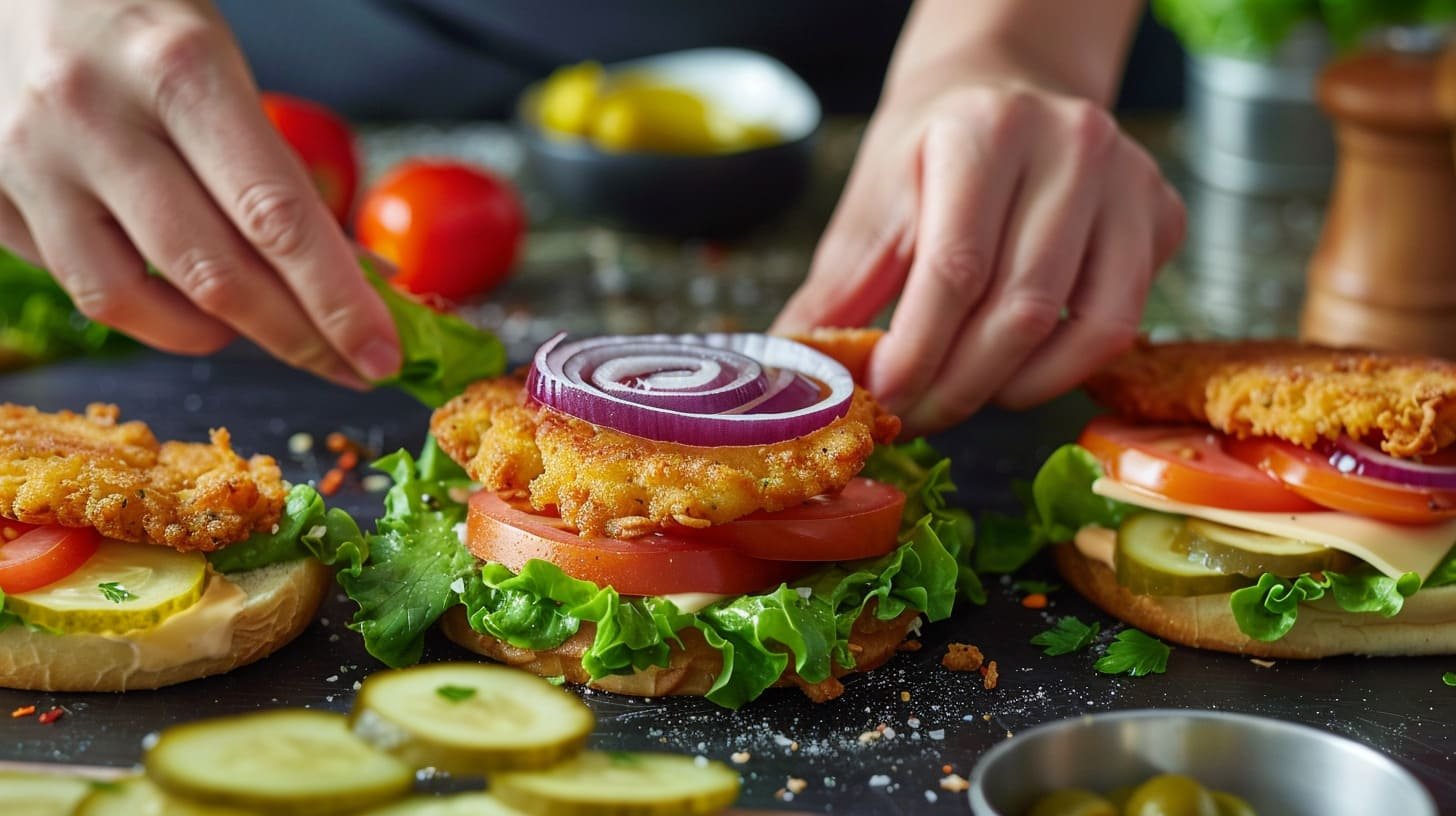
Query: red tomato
{"points": [[657, 564], [1311, 475], [324, 143], [451, 229], [861, 521], [44, 555], [1186, 464]]}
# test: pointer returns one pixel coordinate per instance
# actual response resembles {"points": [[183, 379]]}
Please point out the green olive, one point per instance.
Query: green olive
{"points": [[1171, 795], [1230, 805], [1119, 796], [1072, 802]]}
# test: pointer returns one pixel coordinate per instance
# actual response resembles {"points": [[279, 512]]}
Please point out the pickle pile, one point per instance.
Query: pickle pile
{"points": [[524, 735], [1159, 554]]}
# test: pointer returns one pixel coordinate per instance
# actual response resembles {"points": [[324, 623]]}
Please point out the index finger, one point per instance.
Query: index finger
{"points": [[207, 103]]}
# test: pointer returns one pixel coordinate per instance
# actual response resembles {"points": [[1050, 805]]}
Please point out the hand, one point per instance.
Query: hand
{"points": [[1025, 230], [131, 130]]}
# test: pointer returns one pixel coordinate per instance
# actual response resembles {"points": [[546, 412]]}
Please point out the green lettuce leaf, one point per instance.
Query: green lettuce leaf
{"points": [[418, 569], [1445, 572], [417, 566], [38, 321], [442, 353], [1256, 28], [1267, 610], [307, 528], [1059, 502]]}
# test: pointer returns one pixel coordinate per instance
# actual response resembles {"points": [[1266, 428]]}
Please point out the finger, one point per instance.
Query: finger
{"points": [[967, 184], [1171, 220], [860, 263], [15, 234], [1103, 313], [208, 105], [172, 221], [1046, 243], [92, 260]]}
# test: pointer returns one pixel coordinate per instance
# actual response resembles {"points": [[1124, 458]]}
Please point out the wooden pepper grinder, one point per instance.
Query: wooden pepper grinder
{"points": [[1384, 273]]}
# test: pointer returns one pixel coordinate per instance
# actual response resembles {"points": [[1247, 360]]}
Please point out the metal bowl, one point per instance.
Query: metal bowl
{"points": [[1279, 767], [697, 196]]}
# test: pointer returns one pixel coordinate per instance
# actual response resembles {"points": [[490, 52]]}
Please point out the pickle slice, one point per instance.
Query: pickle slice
{"points": [[139, 796], [1230, 549], [597, 783], [470, 718], [120, 588], [278, 762], [41, 794], [464, 804], [1149, 563]]}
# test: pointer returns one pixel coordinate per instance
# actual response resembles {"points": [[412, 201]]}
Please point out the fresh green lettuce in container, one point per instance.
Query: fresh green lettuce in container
{"points": [[1256, 28]]}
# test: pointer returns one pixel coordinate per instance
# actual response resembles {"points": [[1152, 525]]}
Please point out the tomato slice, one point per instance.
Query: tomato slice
{"points": [[1310, 474], [43, 555], [658, 564], [1187, 464], [860, 521]]}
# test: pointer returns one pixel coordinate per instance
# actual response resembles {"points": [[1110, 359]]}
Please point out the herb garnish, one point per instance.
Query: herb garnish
{"points": [[1449, 678], [115, 592], [1069, 635], [1134, 653]]}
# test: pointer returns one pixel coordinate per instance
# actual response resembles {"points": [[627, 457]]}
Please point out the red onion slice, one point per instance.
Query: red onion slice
{"points": [[1359, 459], [704, 390]]}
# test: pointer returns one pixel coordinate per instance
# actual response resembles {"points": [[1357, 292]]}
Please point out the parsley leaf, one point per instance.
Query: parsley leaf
{"points": [[1449, 678], [1134, 653], [1069, 635], [114, 592], [557, 679], [455, 694], [1029, 587]]}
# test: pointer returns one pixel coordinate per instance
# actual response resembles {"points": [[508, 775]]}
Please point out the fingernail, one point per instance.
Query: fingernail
{"points": [[378, 360]]}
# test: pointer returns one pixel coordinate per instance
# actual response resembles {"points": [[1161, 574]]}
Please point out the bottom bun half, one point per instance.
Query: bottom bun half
{"points": [[692, 667], [282, 600], [1425, 626]]}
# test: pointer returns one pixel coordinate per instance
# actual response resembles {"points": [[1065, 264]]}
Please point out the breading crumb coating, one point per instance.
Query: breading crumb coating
{"points": [[604, 482], [91, 471], [1294, 392]]}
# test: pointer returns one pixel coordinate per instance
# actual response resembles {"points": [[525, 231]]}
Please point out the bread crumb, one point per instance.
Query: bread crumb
{"points": [[908, 646], [962, 657], [989, 675], [1263, 664], [955, 783], [904, 696], [740, 757], [796, 785]]}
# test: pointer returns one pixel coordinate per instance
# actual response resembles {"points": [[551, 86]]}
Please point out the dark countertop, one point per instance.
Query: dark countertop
{"points": [[1397, 705]]}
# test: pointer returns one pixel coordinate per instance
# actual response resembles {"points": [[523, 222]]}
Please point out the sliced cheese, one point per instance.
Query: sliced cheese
{"points": [[1394, 549], [693, 602], [1097, 544]]}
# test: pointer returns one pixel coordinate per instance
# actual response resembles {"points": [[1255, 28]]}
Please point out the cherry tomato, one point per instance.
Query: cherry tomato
{"points": [[1186, 464], [325, 144], [657, 564], [44, 555], [861, 521], [1310, 474], [450, 229]]}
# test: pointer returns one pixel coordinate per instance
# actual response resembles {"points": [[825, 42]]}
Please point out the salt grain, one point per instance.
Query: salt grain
{"points": [[879, 781]]}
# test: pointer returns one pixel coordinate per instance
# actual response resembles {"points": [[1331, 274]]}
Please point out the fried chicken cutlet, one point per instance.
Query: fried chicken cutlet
{"points": [[92, 471], [603, 481], [1298, 393]]}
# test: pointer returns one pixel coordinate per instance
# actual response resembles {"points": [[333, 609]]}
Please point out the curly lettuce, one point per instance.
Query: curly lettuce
{"points": [[418, 569], [38, 321]]}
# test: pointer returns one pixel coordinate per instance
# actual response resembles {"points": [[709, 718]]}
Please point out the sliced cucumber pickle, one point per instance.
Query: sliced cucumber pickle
{"points": [[139, 796], [1149, 562], [464, 804], [120, 588], [598, 783], [279, 762], [470, 718], [1229, 549], [41, 794]]}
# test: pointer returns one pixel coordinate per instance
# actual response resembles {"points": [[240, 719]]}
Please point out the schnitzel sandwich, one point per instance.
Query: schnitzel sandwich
{"points": [[704, 515], [129, 563], [1266, 498]]}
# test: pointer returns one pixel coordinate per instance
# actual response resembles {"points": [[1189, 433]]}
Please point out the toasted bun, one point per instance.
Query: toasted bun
{"points": [[281, 601], [1425, 626], [692, 667]]}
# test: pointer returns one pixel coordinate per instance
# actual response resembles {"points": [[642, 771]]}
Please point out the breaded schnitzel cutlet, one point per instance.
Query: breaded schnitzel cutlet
{"points": [[602, 481], [1298, 393], [91, 471]]}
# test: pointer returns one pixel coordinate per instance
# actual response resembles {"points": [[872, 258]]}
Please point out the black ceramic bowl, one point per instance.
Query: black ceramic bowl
{"points": [[703, 196]]}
